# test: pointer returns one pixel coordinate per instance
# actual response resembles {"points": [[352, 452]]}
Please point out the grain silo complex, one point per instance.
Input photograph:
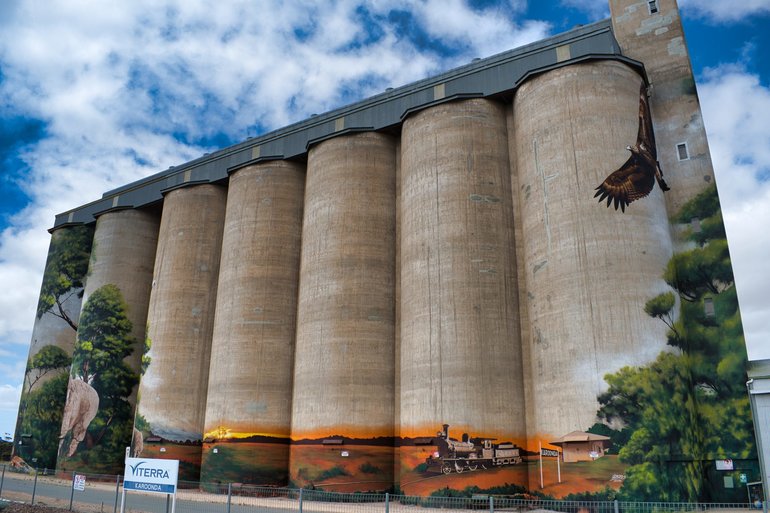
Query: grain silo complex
{"points": [[448, 287]]}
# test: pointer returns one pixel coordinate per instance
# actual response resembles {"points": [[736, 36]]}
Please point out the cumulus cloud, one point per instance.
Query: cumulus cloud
{"points": [[127, 90], [719, 11], [740, 147]]}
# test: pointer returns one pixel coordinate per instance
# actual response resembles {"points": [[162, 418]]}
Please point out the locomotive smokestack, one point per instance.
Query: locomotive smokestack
{"points": [[446, 431]]}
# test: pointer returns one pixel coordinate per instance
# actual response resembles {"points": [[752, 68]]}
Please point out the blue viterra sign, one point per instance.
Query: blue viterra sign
{"points": [[150, 475]]}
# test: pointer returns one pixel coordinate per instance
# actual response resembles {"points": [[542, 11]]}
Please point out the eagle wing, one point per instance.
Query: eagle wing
{"points": [[645, 137], [628, 183]]}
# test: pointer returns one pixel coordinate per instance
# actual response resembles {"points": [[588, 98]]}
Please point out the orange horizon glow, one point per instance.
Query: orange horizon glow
{"points": [[224, 433], [531, 444]]}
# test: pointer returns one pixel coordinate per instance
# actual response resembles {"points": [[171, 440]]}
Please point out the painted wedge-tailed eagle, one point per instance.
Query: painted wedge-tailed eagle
{"points": [[635, 178]]}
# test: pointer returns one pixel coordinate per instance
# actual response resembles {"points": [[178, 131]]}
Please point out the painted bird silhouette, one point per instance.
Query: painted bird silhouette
{"points": [[635, 178]]}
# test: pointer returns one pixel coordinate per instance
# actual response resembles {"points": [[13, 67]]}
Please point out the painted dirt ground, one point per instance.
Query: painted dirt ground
{"points": [[365, 468], [189, 456], [246, 462]]}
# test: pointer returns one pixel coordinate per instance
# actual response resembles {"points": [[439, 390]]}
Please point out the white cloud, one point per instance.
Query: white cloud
{"points": [[720, 11], [739, 139]]}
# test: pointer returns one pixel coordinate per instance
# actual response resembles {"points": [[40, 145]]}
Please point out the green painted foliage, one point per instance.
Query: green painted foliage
{"points": [[104, 341], [146, 358], [689, 406], [65, 269], [47, 360], [42, 419], [41, 406]]}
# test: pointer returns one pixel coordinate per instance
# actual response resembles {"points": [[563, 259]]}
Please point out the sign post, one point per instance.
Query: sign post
{"points": [[150, 475], [552, 453], [540, 460]]}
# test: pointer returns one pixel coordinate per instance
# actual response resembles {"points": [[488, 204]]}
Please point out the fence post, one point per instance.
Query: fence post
{"points": [[387, 502], [72, 490], [117, 493], [34, 487], [491, 504], [617, 509], [300, 500], [2, 479], [229, 495]]}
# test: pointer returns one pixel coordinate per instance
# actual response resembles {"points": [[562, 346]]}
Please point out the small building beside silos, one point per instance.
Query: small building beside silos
{"points": [[420, 291]]}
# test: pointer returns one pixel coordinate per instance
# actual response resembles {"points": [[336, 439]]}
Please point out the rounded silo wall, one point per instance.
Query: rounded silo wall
{"points": [[460, 354], [589, 269], [248, 408], [110, 342], [342, 409], [53, 339], [180, 320]]}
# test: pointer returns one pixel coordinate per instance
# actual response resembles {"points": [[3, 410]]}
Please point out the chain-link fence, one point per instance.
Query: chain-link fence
{"points": [[91, 493]]}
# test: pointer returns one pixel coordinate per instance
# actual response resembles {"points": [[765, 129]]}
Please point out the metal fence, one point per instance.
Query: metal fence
{"points": [[102, 493]]}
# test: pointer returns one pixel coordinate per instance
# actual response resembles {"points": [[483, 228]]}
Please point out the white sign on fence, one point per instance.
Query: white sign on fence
{"points": [[79, 483], [151, 475], [724, 464]]}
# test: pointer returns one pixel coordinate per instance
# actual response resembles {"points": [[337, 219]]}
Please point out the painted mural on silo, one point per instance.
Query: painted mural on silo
{"points": [[635, 342], [635, 355], [461, 389], [53, 339], [98, 415], [248, 405], [97, 418], [671, 420], [587, 270], [342, 399]]}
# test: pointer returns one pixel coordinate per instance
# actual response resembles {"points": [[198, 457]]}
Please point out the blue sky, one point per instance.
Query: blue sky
{"points": [[93, 97]]}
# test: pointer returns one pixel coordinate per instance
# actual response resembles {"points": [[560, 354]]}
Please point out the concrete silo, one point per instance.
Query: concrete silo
{"points": [[252, 353], [460, 354], [172, 391], [588, 270], [342, 409], [119, 279]]}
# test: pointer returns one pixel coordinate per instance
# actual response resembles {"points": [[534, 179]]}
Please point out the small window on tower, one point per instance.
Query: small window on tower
{"points": [[653, 5], [681, 151]]}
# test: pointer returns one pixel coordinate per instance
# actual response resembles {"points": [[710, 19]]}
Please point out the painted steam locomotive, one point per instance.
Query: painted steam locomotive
{"points": [[470, 454]]}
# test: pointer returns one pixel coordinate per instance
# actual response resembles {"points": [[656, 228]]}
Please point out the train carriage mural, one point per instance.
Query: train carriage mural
{"points": [[470, 454]]}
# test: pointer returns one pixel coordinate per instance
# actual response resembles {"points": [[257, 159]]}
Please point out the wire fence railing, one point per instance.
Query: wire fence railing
{"points": [[91, 493]]}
